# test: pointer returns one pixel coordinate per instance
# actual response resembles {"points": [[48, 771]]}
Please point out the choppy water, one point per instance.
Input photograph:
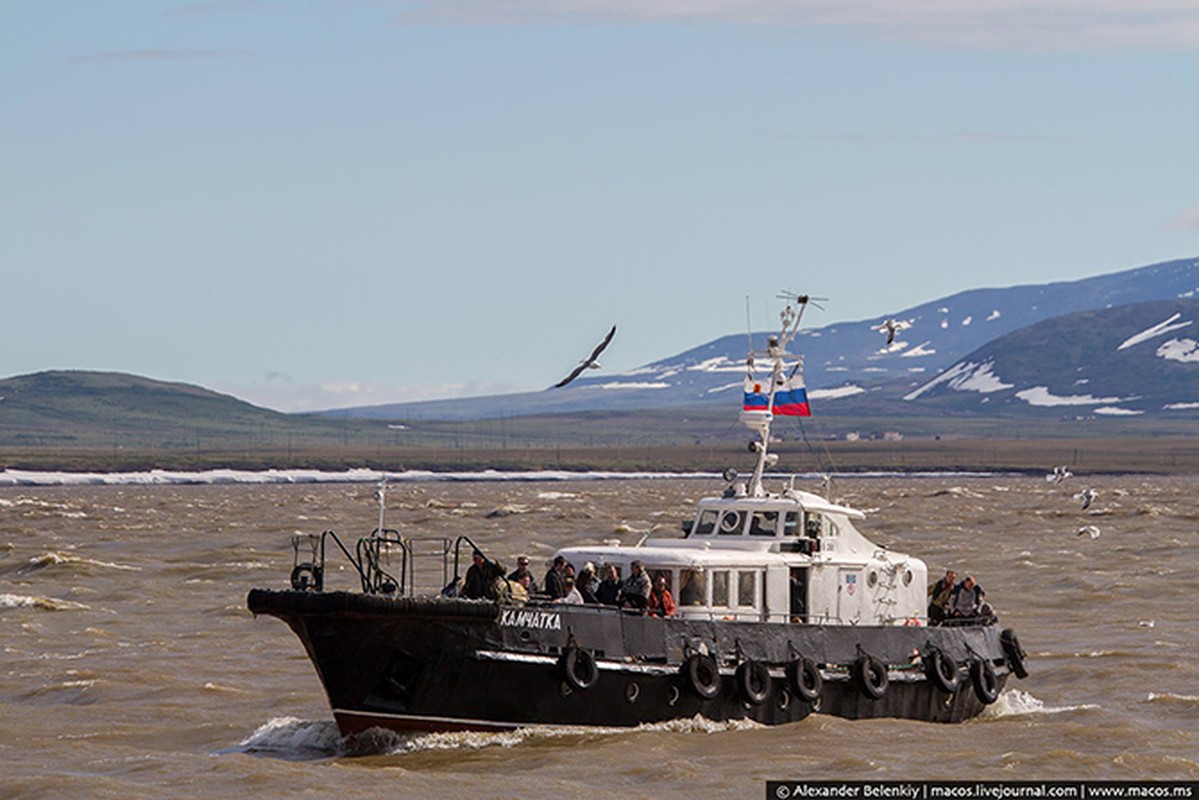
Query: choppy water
{"points": [[130, 667]]}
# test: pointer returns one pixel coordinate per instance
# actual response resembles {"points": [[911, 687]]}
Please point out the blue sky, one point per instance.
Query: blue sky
{"points": [[323, 203]]}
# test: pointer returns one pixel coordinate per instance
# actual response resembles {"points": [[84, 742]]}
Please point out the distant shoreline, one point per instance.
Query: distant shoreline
{"points": [[1123, 455]]}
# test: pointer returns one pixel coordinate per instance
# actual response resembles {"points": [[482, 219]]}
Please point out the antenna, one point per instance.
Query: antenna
{"points": [[381, 496], [749, 333]]}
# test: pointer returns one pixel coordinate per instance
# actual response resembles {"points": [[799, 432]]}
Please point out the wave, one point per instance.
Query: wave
{"points": [[1017, 703], [55, 558], [38, 601], [290, 737], [1169, 698]]}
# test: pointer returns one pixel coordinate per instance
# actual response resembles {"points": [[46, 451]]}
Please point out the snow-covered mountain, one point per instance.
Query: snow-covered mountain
{"points": [[1124, 361], [843, 360]]}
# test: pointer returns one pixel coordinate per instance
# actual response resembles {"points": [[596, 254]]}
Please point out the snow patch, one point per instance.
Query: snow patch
{"points": [[944, 324], [994, 315], [726, 387], [718, 364], [1116, 411], [921, 349], [833, 394], [966, 376], [1041, 396], [635, 385], [1184, 350], [967, 321], [1157, 330], [1180, 406]]}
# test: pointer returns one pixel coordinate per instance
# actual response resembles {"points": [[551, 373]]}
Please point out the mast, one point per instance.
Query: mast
{"points": [[776, 354]]}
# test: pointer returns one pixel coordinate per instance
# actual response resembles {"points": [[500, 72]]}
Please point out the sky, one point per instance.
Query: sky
{"points": [[313, 204]]}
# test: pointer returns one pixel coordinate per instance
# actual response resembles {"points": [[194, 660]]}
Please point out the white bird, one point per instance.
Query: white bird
{"points": [[1059, 474], [891, 327], [1088, 530], [1087, 496], [589, 362]]}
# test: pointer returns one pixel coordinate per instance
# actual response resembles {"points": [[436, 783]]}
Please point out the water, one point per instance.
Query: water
{"points": [[130, 667]]}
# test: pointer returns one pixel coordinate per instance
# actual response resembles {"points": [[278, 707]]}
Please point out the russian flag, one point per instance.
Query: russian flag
{"points": [[791, 398], [756, 398]]}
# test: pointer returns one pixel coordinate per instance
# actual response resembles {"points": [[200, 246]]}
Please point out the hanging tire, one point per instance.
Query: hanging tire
{"points": [[805, 679], [943, 671], [579, 668], [753, 679], [1014, 652], [986, 682], [701, 675], [871, 675]]}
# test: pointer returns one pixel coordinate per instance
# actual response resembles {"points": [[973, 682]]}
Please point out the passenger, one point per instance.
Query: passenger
{"points": [[608, 593], [634, 592], [660, 603], [522, 568], [553, 579], [572, 596], [484, 579], [586, 584], [519, 588], [966, 601], [938, 596]]}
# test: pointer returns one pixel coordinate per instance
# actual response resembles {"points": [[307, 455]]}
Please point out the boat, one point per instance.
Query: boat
{"points": [[784, 609]]}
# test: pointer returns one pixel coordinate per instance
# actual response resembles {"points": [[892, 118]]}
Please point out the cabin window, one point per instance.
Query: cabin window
{"points": [[747, 584], [707, 523], [764, 523], [812, 526], [791, 524], [692, 588], [720, 589], [730, 523]]}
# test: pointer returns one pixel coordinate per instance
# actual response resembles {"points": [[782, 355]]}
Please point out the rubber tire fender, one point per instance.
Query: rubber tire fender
{"points": [[701, 675], [986, 682], [871, 675], [1014, 652], [753, 680], [579, 668], [943, 671], [805, 679]]}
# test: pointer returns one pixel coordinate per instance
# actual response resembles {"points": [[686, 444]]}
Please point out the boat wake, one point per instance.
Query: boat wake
{"points": [[296, 739]]}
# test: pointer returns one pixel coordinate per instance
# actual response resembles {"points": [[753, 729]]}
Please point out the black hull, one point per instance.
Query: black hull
{"points": [[441, 664]]}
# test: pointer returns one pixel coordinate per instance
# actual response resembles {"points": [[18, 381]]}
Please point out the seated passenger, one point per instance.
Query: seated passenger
{"points": [[522, 568], [660, 603], [634, 592], [966, 600], [573, 596], [586, 583]]}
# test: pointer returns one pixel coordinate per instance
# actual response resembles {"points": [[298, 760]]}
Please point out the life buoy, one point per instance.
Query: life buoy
{"points": [[307, 577], [805, 679], [943, 671], [579, 668], [986, 682], [1014, 652], [871, 675], [753, 679], [911, 622], [701, 675]]}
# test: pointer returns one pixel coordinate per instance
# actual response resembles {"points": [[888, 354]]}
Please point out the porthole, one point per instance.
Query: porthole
{"points": [[872, 579], [730, 522], [907, 578]]}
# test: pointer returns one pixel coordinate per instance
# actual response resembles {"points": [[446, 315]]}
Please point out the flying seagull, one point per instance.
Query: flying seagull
{"points": [[892, 327], [589, 362], [1088, 530], [1087, 496], [1059, 474]]}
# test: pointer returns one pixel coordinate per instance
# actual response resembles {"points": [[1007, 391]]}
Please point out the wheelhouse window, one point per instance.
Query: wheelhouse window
{"points": [[747, 589], [720, 589], [730, 523], [706, 524], [791, 524], [764, 523]]}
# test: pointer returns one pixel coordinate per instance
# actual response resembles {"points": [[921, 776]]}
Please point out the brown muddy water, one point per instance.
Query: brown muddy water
{"points": [[131, 668]]}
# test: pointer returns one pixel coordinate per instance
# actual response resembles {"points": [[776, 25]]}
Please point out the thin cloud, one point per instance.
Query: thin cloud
{"points": [[1036, 25], [1186, 221], [163, 54], [956, 138]]}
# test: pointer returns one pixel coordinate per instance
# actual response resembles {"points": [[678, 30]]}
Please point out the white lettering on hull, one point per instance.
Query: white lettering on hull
{"points": [[521, 618]]}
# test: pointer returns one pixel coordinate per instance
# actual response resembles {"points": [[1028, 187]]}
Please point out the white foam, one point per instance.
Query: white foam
{"points": [[38, 601], [1015, 703]]}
